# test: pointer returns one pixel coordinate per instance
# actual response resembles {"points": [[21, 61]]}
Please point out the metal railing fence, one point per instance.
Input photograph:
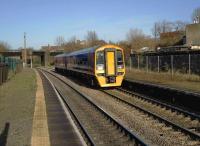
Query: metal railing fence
{"points": [[185, 63]]}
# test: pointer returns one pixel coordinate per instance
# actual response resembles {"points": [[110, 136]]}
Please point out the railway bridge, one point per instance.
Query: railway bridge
{"points": [[45, 56]]}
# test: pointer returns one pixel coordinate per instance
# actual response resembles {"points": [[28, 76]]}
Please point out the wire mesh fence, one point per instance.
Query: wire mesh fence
{"points": [[8, 65], [185, 63]]}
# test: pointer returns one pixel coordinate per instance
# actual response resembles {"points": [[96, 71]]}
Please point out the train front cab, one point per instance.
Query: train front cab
{"points": [[109, 66]]}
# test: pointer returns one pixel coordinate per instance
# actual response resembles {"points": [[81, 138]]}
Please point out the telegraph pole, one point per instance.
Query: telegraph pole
{"points": [[25, 52]]}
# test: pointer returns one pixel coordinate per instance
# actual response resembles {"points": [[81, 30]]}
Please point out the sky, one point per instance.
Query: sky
{"points": [[44, 20]]}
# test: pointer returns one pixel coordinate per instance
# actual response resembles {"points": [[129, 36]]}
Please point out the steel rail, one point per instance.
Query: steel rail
{"points": [[84, 131], [159, 118], [138, 141], [90, 140], [184, 99], [173, 108]]}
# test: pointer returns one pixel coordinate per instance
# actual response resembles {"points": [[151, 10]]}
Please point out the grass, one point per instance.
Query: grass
{"points": [[17, 99], [178, 80]]}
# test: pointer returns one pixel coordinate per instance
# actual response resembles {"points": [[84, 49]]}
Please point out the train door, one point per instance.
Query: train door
{"points": [[110, 64]]}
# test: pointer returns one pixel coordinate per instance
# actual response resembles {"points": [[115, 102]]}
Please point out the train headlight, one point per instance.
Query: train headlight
{"points": [[120, 66], [100, 67], [120, 73]]}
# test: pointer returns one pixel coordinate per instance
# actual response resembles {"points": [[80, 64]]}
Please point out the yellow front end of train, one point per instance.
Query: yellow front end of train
{"points": [[109, 66]]}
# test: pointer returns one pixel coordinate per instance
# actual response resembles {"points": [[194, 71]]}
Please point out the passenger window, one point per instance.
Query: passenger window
{"points": [[100, 60]]}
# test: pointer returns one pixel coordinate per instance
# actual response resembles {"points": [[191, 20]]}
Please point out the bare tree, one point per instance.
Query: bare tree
{"points": [[135, 38], [179, 25], [168, 33], [71, 44], [92, 38], [196, 15], [73, 39], [156, 31], [162, 27], [127, 48], [60, 41], [4, 46], [134, 34], [167, 26]]}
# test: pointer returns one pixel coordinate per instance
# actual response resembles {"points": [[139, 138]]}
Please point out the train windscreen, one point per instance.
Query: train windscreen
{"points": [[119, 59], [100, 60]]}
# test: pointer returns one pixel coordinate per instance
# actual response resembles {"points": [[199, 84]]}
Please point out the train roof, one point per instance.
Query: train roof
{"points": [[82, 51]]}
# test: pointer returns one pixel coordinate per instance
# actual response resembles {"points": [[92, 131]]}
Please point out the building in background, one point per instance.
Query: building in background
{"points": [[52, 48], [172, 38], [193, 34]]}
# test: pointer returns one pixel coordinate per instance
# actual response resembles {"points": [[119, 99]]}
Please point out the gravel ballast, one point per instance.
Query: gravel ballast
{"points": [[150, 129], [98, 127]]}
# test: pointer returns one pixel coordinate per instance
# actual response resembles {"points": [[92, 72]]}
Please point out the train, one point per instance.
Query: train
{"points": [[102, 66]]}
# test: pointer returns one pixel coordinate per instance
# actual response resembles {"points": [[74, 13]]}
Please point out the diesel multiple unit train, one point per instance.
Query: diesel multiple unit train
{"points": [[103, 66]]}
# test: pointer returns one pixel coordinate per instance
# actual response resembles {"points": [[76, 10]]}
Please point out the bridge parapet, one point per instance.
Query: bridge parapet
{"points": [[30, 53]]}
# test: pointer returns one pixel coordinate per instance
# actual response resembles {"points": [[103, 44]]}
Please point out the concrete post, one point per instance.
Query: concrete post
{"points": [[158, 63], [46, 58], [138, 61], [42, 60], [31, 61], [147, 63], [172, 65], [189, 64]]}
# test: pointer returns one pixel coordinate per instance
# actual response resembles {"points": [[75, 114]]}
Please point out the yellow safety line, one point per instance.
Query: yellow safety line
{"points": [[40, 132]]}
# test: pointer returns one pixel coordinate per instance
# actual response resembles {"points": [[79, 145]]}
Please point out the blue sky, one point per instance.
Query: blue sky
{"points": [[44, 20]]}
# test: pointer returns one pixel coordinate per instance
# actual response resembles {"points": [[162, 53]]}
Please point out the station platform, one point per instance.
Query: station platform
{"points": [[52, 125], [31, 114]]}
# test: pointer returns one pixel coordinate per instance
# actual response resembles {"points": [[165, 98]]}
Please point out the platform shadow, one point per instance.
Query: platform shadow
{"points": [[4, 135]]}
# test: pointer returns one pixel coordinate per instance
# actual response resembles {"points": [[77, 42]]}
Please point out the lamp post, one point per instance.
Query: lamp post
{"points": [[25, 52]]}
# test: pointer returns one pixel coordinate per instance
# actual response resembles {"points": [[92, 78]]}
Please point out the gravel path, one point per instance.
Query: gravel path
{"points": [[17, 99]]}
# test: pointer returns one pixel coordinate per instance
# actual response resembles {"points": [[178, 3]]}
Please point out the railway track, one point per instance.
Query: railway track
{"points": [[53, 108], [101, 126], [192, 115], [168, 125], [187, 131], [183, 99]]}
